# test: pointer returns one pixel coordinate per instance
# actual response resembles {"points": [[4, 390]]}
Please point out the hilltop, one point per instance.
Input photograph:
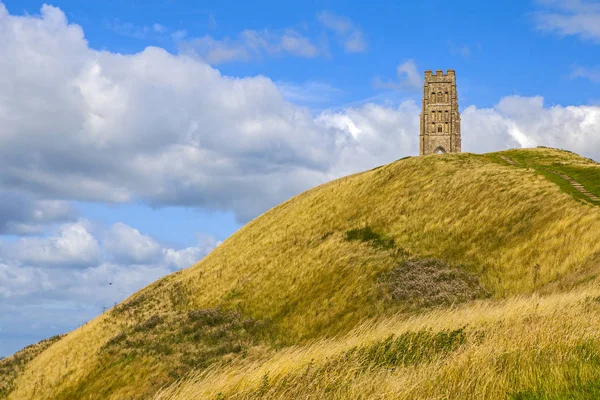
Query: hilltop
{"points": [[450, 276]]}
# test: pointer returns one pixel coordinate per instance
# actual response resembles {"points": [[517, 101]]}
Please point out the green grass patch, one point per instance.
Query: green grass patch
{"points": [[368, 235], [548, 162], [410, 348], [578, 391]]}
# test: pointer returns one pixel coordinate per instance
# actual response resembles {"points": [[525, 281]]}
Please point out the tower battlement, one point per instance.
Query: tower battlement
{"points": [[440, 119], [439, 75]]}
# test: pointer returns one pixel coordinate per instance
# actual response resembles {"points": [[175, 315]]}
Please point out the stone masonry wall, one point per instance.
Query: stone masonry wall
{"points": [[440, 119]]}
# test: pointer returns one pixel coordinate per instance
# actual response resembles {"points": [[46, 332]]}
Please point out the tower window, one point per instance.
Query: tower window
{"points": [[433, 97], [440, 128], [446, 98], [440, 97]]}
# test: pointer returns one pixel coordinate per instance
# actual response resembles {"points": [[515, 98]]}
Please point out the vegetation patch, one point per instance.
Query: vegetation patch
{"points": [[130, 305], [558, 161], [368, 235], [409, 348], [12, 366], [578, 391], [199, 337], [181, 340], [431, 282]]}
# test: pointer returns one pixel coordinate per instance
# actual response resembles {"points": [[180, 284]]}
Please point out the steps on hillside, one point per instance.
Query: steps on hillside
{"points": [[509, 160], [578, 186]]}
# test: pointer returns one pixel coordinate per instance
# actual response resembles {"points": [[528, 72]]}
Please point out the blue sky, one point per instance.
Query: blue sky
{"points": [[137, 137]]}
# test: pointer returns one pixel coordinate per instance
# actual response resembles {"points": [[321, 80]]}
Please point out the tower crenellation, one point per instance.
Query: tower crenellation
{"points": [[440, 119]]}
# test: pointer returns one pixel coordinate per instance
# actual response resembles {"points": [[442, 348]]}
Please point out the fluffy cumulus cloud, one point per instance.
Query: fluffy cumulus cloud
{"points": [[525, 122], [73, 246], [156, 127], [171, 130], [372, 135], [48, 285], [128, 245], [80, 257]]}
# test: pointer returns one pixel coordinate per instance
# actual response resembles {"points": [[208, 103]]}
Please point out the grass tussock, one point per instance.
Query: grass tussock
{"points": [[311, 271]]}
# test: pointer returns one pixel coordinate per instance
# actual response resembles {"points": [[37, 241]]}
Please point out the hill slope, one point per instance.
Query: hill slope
{"points": [[412, 280]]}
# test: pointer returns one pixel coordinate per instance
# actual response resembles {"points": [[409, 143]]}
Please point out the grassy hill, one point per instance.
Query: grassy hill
{"points": [[454, 276]]}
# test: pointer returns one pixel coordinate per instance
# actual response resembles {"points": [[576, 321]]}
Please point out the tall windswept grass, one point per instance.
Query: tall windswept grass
{"points": [[317, 278], [525, 347]]}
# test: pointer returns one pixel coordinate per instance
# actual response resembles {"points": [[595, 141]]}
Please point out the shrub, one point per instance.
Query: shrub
{"points": [[431, 282]]}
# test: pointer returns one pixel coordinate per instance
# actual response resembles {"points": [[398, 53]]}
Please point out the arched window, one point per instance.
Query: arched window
{"points": [[433, 128], [446, 127], [446, 116], [446, 98], [439, 99], [433, 97], [440, 128], [440, 116]]}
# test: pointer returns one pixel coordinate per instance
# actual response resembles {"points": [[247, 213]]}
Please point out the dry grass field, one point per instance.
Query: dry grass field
{"points": [[435, 277]]}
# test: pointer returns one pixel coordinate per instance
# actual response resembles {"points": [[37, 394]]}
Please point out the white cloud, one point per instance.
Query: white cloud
{"points": [[188, 256], [593, 74], [72, 246], [309, 93], [350, 34], [150, 126], [91, 277], [131, 30], [21, 214], [570, 17], [171, 130], [409, 78], [250, 45], [371, 135], [524, 122], [71, 265], [127, 245]]}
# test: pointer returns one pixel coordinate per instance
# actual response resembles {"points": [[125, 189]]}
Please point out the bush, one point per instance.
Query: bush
{"points": [[431, 282]]}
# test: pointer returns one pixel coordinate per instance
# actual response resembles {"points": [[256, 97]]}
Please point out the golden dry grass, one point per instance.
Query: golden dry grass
{"points": [[525, 344], [293, 271]]}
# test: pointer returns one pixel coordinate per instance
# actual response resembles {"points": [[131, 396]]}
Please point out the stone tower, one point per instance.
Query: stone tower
{"points": [[440, 120]]}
